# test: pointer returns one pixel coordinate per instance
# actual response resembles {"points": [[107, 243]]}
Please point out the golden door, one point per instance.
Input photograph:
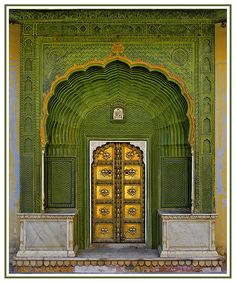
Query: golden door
{"points": [[118, 194]]}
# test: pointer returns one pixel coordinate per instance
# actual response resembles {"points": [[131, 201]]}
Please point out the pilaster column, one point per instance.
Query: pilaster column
{"points": [[42, 181]]}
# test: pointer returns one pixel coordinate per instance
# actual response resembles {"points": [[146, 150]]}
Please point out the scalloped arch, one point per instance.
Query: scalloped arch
{"points": [[170, 77]]}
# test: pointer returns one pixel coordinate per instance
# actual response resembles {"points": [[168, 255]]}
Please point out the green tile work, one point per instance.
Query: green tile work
{"points": [[176, 182], [26, 198], [60, 182]]}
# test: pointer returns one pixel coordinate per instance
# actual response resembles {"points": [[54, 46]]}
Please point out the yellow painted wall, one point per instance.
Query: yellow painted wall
{"points": [[14, 95], [221, 137]]}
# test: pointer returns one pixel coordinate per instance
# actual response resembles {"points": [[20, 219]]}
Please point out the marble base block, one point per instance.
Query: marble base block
{"points": [[187, 235], [47, 235]]}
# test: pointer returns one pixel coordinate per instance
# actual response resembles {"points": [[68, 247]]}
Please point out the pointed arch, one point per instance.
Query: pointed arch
{"points": [[159, 70]]}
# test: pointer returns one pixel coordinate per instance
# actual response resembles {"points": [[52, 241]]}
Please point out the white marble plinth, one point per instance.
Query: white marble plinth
{"points": [[187, 235], [47, 235]]}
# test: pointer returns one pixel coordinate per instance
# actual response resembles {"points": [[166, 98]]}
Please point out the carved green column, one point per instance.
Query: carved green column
{"points": [[27, 119]]}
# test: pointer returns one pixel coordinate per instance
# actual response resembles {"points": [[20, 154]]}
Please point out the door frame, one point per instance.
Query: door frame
{"points": [[143, 145]]}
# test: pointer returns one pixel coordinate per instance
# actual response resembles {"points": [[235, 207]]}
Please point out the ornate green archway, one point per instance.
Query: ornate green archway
{"points": [[78, 109], [149, 68]]}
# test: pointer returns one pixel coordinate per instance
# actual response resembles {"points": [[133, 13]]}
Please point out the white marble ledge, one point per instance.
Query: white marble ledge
{"points": [[46, 215], [177, 215], [187, 235], [47, 234]]}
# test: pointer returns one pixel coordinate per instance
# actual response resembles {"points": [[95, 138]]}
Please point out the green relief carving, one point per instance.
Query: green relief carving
{"points": [[175, 182], [27, 105], [106, 15], [180, 57], [28, 29], [206, 105], [60, 182], [29, 132], [203, 129], [174, 29], [118, 29], [28, 65], [208, 29], [206, 184], [104, 87], [58, 58], [206, 120], [27, 184], [28, 47], [175, 56], [62, 29]]}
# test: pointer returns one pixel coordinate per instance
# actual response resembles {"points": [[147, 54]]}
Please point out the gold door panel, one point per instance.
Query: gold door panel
{"points": [[132, 231], [132, 211], [132, 192], [104, 211], [105, 154], [104, 192], [104, 231], [104, 172], [131, 154], [118, 194], [132, 172]]}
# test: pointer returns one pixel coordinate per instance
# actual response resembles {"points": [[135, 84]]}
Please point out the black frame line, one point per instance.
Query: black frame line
{"points": [[60, 276]]}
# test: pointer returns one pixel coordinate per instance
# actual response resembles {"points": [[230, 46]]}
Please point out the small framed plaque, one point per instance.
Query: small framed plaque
{"points": [[117, 113]]}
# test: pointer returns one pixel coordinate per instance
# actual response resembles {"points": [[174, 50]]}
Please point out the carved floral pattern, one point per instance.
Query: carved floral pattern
{"points": [[125, 15], [118, 48], [132, 211], [104, 230], [132, 230], [130, 172], [180, 56], [131, 191], [106, 172], [106, 155], [104, 192], [104, 211], [130, 155]]}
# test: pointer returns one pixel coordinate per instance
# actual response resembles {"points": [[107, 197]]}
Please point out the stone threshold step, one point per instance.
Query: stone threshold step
{"points": [[116, 266], [120, 262]]}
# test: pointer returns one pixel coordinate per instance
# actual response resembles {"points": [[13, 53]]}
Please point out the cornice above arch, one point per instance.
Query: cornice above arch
{"points": [[103, 63], [148, 15]]}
